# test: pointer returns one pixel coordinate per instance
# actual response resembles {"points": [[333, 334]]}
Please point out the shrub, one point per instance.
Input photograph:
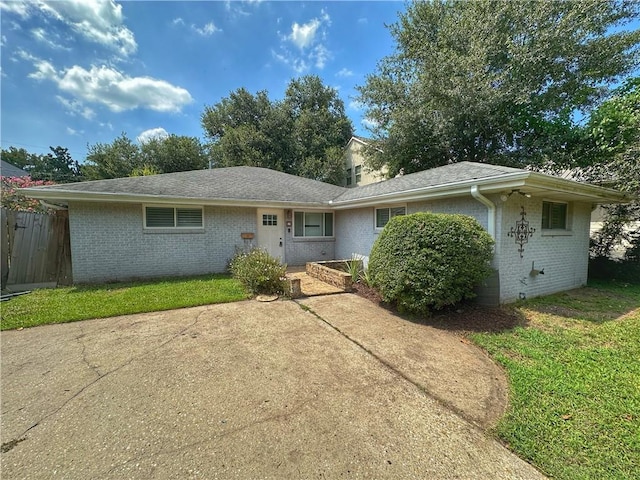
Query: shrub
{"points": [[259, 272], [354, 268], [427, 260]]}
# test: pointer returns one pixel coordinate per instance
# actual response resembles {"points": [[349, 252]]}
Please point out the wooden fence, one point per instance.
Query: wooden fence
{"points": [[35, 249]]}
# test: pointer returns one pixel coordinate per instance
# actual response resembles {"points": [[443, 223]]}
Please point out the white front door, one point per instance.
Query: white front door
{"points": [[271, 232]]}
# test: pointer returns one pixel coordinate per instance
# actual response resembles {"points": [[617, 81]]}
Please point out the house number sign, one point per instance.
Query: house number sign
{"points": [[522, 232]]}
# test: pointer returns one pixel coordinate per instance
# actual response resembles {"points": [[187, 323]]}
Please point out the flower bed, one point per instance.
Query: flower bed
{"points": [[331, 272]]}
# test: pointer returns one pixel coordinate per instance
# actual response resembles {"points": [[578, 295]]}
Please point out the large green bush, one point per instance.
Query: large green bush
{"points": [[428, 260], [259, 272]]}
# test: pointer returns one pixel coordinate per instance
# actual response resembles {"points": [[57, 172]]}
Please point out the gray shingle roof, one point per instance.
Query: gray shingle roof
{"points": [[8, 170], [232, 183], [447, 174]]}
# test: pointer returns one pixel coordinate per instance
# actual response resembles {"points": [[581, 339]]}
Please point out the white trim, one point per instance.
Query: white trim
{"points": [[316, 237], [389, 207]]}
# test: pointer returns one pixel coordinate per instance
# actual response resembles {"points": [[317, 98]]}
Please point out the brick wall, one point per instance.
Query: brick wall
{"points": [[564, 257], [108, 243]]}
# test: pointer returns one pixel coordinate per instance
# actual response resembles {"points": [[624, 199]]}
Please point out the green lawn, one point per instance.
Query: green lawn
{"points": [[83, 302], [574, 370]]}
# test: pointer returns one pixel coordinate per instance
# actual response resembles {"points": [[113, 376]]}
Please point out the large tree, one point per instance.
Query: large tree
{"points": [[124, 158], [112, 160], [56, 166], [300, 135], [175, 153], [494, 81], [611, 157]]}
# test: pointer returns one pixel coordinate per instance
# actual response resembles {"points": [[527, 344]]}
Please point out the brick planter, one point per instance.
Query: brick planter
{"points": [[331, 272]]}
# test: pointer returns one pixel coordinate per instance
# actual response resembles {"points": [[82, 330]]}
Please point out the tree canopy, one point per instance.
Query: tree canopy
{"points": [[304, 134], [56, 166], [123, 157], [495, 81]]}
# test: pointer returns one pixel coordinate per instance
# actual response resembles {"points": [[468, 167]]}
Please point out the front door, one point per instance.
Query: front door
{"points": [[271, 232]]}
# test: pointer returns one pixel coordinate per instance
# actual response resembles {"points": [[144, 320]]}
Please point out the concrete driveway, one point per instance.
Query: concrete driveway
{"points": [[244, 390]]}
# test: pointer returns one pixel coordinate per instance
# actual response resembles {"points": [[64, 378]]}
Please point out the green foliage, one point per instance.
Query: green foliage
{"points": [[69, 304], [354, 268], [57, 166], [611, 157], [302, 135], [112, 160], [259, 272], [124, 158], [494, 81], [427, 260], [174, 154], [13, 199]]}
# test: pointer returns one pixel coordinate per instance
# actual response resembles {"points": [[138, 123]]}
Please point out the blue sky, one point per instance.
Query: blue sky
{"points": [[83, 71]]}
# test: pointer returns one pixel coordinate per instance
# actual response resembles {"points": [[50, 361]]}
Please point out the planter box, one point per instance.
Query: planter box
{"points": [[331, 272]]}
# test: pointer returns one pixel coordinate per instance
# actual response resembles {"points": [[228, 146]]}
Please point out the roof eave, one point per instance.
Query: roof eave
{"points": [[67, 196]]}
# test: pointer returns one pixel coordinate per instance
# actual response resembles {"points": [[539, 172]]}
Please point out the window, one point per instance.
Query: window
{"points": [[383, 215], [313, 224], [554, 216], [348, 176], [270, 220], [358, 173], [172, 217]]}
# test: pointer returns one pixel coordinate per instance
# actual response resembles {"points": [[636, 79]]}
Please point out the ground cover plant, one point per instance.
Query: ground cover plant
{"points": [[69, 304], [572, 362]]}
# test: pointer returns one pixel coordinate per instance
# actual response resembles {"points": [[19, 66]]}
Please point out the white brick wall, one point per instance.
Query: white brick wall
{"points": [[108, 243], [564, 258]]}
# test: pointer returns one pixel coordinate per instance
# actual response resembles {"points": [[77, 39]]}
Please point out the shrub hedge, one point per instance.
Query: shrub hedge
{"points": [[259, 272], [427, 261]]}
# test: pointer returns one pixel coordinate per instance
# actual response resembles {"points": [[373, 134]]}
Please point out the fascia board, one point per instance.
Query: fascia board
{"points": [[491, 184], [72, 196], [593, 192]]}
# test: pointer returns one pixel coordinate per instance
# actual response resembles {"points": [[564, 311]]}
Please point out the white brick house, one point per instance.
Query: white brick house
{"points": [[192, 222]]}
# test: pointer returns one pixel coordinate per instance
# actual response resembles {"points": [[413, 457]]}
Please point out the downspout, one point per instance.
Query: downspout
{"points": [[491, 210]]}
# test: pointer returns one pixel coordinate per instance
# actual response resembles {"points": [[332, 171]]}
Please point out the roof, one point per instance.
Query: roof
{"points": [[231, 185], [253, 186], [8, 170]]}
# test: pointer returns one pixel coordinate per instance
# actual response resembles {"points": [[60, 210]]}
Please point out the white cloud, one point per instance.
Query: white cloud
{"points": [[152, 133], [108, 86], [356, 105], [177, 21], [46, 38], [76, 107], [344, 72], [73, 131], [99, 21], [207, 30], [19, 8], [369, 123], [303, 35], [308, 38]]}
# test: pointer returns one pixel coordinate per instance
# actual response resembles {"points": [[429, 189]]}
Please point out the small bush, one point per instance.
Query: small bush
{"points": [[427, 260], [259, 272], [354, 268], [603, 268]]}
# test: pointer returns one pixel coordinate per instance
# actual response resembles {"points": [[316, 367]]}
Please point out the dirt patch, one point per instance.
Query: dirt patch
{"points": [[461, 319]]}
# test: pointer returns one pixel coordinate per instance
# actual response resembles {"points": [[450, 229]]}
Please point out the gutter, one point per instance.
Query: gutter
{"points": [[491, 210]]}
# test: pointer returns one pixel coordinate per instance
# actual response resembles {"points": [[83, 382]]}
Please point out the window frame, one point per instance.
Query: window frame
{"points": [[175, 226], [324, 213], [550, 227], [358, 173], [349, 177], [386, 207]]}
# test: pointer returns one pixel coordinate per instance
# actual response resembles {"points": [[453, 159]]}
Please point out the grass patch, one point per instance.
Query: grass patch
{"points": [[70, 304], [574, 371]]}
